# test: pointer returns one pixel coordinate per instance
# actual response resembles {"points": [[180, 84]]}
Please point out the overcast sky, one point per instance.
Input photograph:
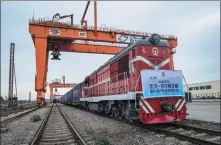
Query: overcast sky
{"points": [[196, 24]]}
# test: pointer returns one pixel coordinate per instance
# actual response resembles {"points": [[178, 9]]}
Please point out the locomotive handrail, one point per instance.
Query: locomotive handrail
{"points": [[185, 83], [124, 82], [117, 84], [135, 91], [126, 86]]}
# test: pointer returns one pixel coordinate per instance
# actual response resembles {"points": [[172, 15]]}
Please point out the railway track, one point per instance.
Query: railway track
{"points": [[17, 116], [5, 111], [192, 134], [56, 128]]}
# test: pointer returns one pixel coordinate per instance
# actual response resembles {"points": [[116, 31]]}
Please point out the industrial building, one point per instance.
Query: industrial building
{"points": [[207, 90]]}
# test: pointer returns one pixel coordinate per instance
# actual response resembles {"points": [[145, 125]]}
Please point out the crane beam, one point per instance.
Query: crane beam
{"points": [[85, 48], [70, 33], [57, 30], [61, 85]]}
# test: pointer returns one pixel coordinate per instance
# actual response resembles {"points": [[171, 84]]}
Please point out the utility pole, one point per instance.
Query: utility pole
{"points": [[11, 75], [12, 101]]}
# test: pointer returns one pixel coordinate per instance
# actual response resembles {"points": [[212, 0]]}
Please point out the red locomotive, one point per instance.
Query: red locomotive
{"points": [[116, 87]]}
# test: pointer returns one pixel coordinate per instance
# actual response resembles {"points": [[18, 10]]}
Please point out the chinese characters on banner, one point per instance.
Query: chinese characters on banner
{"points": [[162, 83]]}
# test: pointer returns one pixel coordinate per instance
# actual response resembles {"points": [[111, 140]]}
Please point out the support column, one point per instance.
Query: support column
{"points": [[39, 98], [51, 93], [172, 44], [46, 70], [41, 54]]}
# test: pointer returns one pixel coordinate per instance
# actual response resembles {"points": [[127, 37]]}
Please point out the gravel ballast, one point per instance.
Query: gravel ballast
{"points": [[3, 118], [201, 124], [118, 133], [22, 130]]}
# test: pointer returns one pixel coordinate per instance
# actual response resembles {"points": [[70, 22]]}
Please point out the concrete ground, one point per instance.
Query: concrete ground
{"points": [[204, 110], [206, 100]]}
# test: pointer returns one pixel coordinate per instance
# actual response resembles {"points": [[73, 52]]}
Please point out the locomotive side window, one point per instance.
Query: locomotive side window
{"points": [[86, 82], [158, 62], [132, 67], [152, 61], [123, 66], [133, 53]]}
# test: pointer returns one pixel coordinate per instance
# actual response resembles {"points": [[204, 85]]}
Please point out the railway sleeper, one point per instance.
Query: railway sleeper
{"points": [[56, 136], [52, 133], [55, 139], [55, 130], [73, 141]]}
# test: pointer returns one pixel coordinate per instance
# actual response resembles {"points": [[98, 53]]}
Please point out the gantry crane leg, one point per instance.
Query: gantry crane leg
{"points": [[41, 68], [172, 44]]}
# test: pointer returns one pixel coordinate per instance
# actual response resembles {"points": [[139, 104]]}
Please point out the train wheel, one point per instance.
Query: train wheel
{"points": [[120, 115], [131, 121], [116, 113], [111, 113], [87, 108], [107, 112]]}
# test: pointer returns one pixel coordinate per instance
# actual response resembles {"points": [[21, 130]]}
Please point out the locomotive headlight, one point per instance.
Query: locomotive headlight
{"points": [[173, 51], [155, 38]]}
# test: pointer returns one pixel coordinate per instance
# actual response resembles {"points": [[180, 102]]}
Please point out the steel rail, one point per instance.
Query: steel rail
{"points": [[72, 128], [203, 130], [41, 128], [182, 137], [159, 129]]}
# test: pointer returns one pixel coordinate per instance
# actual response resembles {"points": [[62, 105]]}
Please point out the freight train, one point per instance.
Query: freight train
{"points": [[115, 88]]}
